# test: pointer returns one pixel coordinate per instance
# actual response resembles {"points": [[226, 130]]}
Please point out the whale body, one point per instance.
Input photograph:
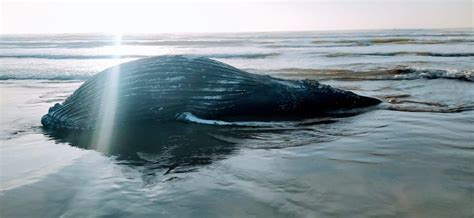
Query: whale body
{"points": [[163, 88]]}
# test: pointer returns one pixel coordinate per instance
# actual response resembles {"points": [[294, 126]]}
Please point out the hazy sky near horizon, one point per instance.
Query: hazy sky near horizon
{"points": [[163, 16]]}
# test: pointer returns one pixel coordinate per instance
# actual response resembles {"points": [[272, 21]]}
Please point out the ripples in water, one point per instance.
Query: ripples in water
{"points": [[410, 157]]}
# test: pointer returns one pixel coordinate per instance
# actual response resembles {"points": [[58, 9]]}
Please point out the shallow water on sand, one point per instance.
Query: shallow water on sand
{"points": [[413, 156]]}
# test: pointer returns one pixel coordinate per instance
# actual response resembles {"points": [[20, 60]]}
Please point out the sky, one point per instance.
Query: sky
{"points": [[166, 16]]}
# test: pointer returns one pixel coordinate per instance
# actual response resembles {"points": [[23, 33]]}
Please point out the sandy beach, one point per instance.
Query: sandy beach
{"points": [[410, 158]]}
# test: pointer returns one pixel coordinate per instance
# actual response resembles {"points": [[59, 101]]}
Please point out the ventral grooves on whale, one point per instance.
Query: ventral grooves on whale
{"points": [[160, 89]]}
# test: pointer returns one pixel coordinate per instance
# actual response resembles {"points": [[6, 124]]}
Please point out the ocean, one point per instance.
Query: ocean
{"points": [[413, 156]]}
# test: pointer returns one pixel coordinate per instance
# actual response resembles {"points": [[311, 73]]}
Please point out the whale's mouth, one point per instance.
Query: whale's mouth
{"points": [[191, 118]]}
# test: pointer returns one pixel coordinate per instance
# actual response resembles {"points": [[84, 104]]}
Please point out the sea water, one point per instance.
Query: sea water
{"points": [[413, 156]]}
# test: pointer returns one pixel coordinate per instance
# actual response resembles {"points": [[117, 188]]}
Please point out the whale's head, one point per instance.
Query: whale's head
{"points": [[320, 97]]}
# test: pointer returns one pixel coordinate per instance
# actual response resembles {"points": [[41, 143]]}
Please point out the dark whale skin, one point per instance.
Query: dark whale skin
{"points": [[160, 89]]}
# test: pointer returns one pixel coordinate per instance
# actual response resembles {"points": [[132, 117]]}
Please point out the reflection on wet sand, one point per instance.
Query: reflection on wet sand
{"points": [[174, 147]]}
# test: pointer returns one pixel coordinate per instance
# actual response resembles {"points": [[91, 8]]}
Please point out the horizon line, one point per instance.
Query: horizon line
{"points": [[238, 32]]}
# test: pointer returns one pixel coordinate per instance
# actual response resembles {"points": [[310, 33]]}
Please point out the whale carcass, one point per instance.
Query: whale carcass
{"points": [[160, 89]]}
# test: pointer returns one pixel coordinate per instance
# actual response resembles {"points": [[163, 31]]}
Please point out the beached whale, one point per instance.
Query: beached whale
{"points": [[164, 88]]}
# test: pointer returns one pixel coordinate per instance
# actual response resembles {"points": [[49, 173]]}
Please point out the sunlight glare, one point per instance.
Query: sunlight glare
{"points": [[108, 105]]}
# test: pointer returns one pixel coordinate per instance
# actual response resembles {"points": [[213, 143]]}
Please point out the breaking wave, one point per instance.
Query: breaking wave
{"points": [[376, 41], [398, 73], [431, 54]]}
